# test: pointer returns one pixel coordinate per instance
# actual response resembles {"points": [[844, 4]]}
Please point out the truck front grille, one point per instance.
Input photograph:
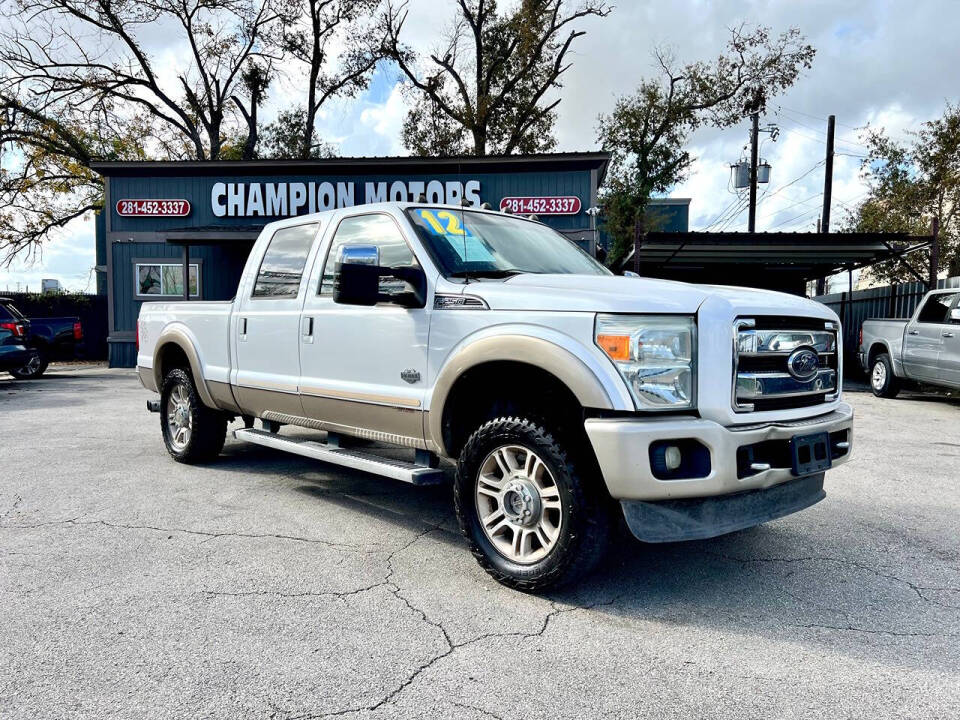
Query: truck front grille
{"points": [[784, 363]]}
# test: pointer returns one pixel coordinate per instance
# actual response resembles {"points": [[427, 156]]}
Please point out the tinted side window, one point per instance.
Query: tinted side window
{"points": [[4, 313], [936, 307], [379, 230], [283, 263]]}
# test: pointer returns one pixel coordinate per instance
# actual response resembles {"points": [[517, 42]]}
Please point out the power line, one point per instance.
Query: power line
{"points": [[817, 117], [795, 180], [796, 217], [798, 202], [818, 139]]}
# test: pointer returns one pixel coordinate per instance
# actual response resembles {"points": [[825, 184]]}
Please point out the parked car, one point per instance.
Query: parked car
{"points": [[922, 350], [53, 338], [14, 353], [565, 394]]}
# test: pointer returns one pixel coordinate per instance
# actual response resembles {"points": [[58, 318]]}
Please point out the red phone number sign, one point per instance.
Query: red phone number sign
{"points": [[566, 205], [153, 208]]}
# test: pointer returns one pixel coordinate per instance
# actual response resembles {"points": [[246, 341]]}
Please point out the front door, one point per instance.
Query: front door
{"points": [[950, 350], [923, 338], [265, 328], [363, 369]]}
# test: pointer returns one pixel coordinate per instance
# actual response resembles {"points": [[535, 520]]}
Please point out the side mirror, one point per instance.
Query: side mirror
{"points": [[357, 275], [955, 315]]}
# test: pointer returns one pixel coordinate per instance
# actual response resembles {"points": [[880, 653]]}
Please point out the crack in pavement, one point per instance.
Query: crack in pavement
{"points": [[869, 631], [485, 713], [75, 522], [917, 589]]}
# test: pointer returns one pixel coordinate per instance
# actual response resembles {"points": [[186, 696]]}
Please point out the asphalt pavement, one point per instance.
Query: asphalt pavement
{"points": [[270, 586]]}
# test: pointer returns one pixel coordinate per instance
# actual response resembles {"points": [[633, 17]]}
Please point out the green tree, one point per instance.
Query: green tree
{"points": [[493, 87], [648, 131], [913, 182]]}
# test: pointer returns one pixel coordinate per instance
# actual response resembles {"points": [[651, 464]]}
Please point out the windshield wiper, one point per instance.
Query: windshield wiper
{"points": [[495, 273]]}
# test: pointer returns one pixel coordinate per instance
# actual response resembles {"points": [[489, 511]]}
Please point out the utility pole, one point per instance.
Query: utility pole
{"points": [[827, 190], [754, 132], [934, 253]]}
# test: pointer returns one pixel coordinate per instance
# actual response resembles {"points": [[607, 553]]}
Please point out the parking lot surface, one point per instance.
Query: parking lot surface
{"points": [[268, 585]]}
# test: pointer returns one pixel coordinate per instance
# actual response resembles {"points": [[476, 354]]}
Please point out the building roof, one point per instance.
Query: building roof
{"points": [[360, 165]]}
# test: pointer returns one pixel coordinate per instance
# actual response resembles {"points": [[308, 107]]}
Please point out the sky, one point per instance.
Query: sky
{"points": [[890, 64]]}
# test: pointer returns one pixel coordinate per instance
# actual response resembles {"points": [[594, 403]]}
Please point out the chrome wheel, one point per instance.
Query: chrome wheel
{"points": [[518, 503], [32, 367], [179, 417], [879, 376]]}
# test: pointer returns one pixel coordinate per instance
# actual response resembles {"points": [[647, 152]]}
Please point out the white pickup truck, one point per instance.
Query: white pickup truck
{"points": [[566, 395]]}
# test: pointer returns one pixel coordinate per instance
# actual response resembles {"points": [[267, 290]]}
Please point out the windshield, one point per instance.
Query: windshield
{"points": [[477, 244]]}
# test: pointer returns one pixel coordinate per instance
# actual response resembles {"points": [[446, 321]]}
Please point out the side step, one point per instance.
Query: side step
{"points": [[355, 459]]}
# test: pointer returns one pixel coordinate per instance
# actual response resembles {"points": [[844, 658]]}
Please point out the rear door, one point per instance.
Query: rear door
{"points": [[950, 350], [923, 337], [266, 325]]}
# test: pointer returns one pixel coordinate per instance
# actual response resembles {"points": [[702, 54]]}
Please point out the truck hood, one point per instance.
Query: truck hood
{"points": [[599, 293]]}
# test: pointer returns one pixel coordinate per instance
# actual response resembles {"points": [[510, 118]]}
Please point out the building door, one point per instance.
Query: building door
{"points": [[265, 328], [923, 338], [363, 368]]}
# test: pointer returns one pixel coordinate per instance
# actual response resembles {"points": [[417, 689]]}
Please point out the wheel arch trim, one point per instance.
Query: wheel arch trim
{"points": [[181, 337], [583, 381]]}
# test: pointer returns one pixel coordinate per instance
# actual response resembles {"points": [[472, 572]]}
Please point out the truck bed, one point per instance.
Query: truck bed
{"points": [[205, 322]]}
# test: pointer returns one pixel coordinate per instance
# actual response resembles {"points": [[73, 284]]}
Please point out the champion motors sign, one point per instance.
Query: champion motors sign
{"points": [[279, 199]]}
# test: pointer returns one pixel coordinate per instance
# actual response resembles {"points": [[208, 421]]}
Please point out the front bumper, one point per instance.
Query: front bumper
{"points": [[622, 449]]}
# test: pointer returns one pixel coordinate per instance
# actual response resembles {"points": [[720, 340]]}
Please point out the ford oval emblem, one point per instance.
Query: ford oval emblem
{"points": [[803, 364]]}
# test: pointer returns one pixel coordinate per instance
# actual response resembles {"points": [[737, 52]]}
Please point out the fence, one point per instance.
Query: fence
{"points": [[91, 309], [889, 301]]}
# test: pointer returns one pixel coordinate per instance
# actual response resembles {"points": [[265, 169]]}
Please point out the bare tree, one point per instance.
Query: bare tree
{"points": [[77, 82], [314, 30], [496, 70]]}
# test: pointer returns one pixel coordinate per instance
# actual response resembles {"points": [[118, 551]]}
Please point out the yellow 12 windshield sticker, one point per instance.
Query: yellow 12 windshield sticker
{"points": [[449, 226]]}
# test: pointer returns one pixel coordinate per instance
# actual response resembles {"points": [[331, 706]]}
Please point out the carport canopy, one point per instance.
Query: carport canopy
{"points": [[779, 261]]}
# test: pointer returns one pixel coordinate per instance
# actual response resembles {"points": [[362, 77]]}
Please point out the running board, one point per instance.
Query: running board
{"points": [[355, 459]]}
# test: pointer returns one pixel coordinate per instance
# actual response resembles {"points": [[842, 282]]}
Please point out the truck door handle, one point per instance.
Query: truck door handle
{"points": [[243, 329], [948, 334], [306, 329], [913, 332]]}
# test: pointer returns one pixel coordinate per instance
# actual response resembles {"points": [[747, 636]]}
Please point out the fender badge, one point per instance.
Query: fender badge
{"points": [[411, 376]]}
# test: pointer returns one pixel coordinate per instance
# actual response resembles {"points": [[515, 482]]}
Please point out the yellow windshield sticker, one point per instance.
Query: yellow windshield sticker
{"points": [[449, 226]]}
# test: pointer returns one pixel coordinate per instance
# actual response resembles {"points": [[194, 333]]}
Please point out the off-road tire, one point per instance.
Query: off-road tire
{"points": [[32, 373], [586, 508], [209, 427], [883, 382]]}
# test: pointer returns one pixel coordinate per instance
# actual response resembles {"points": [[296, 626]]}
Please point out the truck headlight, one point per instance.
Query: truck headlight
{"points": [[655, 355]]}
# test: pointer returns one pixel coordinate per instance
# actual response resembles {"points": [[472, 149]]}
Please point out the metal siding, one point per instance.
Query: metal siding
{"points": [[493, 187], [122, 354], [220, 271]]}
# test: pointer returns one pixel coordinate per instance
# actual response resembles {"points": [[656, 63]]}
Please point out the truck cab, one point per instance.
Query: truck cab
{"points": [[566, 396]]}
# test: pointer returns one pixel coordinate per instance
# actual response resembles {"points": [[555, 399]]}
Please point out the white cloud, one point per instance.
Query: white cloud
{"points": [[386, 119]]}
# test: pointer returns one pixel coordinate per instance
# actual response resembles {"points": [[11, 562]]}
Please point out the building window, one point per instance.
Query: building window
{"points": [[157, 280]]}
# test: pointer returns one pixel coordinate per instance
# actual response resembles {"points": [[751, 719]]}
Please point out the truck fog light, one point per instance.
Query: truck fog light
{"points": [[680, 459], [672, 457]]}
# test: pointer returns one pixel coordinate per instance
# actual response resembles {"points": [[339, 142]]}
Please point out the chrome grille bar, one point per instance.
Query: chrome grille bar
{"points": [[765, 366]]}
